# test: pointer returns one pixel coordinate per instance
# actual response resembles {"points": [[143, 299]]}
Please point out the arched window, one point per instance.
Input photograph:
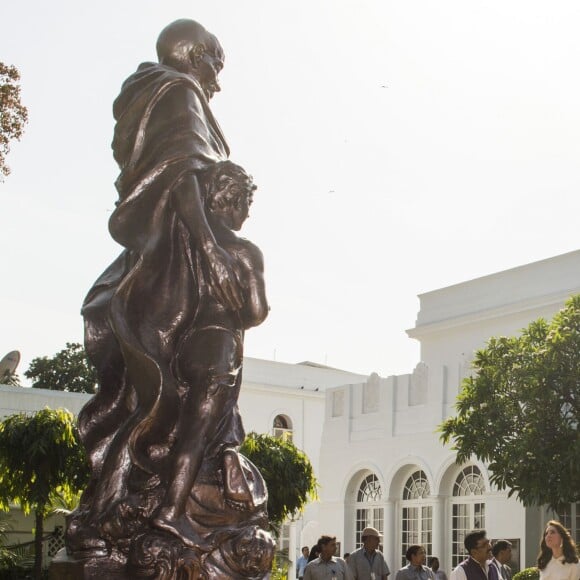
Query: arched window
{"points": [[282, 427], [468, 509], [416, 515], [369, 508], [417, 486]]}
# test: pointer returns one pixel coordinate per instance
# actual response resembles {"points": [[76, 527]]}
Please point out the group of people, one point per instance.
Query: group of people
{"points": [[557, 560], [320, 563]]}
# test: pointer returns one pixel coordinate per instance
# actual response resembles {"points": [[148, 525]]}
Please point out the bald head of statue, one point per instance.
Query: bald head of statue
{"points": [[188, 47]]}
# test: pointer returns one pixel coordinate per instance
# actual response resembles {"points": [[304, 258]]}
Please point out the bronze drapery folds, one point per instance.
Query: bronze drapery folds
{"points": [[170, 496]]}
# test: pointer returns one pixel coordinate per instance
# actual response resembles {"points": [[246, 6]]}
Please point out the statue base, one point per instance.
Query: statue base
{"points": [[65, 567]]}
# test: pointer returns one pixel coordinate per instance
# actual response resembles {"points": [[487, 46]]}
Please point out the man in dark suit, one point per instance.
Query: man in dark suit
{"points": [[502, 554]]}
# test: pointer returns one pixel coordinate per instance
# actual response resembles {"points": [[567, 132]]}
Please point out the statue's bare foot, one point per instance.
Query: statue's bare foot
{"points": [[166, 520]]}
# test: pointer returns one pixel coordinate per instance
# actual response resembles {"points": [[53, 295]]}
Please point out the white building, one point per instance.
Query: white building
{"points": [[382, 463]]}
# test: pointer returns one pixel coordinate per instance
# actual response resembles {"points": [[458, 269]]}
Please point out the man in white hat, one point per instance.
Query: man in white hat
{"points": [[367, 563]]}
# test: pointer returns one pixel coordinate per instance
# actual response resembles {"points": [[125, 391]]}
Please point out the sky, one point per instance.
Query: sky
{"points": [[398, 147]]}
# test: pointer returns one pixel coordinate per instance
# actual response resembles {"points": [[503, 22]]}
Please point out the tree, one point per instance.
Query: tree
{"points": [[287, 471], [520, 411], [13, 114], [40, 456], [67, 370]]}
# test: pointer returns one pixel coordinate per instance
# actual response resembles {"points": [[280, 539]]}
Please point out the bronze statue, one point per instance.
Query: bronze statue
{"points": [[170, 496]]}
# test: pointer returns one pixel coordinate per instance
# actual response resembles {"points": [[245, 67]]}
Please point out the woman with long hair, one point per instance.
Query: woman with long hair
{"points": [[558, 559], [314, 552]]}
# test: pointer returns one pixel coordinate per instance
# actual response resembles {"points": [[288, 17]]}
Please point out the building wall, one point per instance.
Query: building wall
{"points": [[393, 441], [387, 426]]}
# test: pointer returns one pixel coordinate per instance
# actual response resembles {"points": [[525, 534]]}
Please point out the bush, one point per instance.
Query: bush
{"points": [[279, 568], [527, 574], [281, 462]]}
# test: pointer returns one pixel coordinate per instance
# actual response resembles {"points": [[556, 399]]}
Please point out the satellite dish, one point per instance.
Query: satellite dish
{"points": [[9, 363]]}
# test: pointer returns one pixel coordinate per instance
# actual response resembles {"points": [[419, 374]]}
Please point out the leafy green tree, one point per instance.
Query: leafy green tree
{"points": [[13, 114], [520, 411], [40, 456], [67, 370], [287, 471]]}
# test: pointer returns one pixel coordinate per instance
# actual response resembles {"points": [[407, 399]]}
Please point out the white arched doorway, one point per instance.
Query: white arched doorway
{"points": [[467, 509], [416, 514], [366, 507]]}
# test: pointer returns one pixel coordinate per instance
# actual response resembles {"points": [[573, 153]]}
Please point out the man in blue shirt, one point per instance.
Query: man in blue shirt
{"points": [[301, 563]]}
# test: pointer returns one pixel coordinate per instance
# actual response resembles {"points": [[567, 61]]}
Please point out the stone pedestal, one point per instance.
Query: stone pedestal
{"points": [[64, 567]]}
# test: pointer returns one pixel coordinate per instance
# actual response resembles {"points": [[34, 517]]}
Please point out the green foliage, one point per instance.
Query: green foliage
{"points": [[23, 560], [527, 574], [520, 411], [13, 114], [287, 471], [63, 504], [40, 456], [67, 370], [7, 556], [279, 568]]}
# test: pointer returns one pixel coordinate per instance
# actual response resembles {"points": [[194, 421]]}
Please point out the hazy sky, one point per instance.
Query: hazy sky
{"points": [[398, 147]]}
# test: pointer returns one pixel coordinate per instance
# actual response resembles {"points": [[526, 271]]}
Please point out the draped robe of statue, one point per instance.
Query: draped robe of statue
{"points": [[136, 314]]}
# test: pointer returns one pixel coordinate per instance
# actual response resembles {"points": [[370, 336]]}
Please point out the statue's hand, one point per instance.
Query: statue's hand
{"points": [[223, 283]]}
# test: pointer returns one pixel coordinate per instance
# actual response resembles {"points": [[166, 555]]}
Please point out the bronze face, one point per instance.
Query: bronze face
{"points": [[209, 65]]}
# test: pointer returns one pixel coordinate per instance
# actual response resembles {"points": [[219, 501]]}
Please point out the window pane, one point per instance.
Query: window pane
{"points": [[370, 490], [469, 482], [368, 517], [460, 527], [410, 530], [416, 514], [427, 529], [479, 516], [378, 519], [284, 539], [565, 517], [417, 486]]}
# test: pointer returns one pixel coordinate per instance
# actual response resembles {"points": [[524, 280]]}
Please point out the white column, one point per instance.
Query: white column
{"points": [[292, 550], [440, 533], [390, 537]]}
